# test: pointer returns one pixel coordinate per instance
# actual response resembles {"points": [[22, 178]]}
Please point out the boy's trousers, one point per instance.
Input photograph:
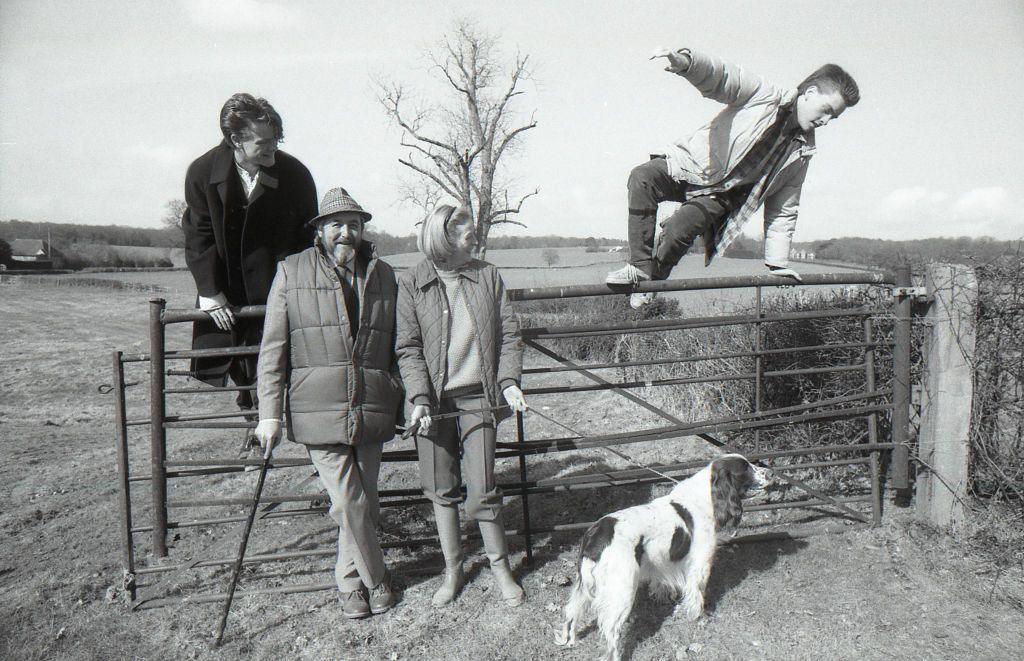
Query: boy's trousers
{"points": [[648, 185]]}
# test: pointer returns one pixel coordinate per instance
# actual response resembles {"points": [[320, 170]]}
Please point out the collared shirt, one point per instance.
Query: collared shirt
{"points": [[248, 183], [745, 187]]}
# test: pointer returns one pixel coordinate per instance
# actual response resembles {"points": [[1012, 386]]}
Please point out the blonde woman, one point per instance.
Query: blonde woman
{"points": [[458, 350]]}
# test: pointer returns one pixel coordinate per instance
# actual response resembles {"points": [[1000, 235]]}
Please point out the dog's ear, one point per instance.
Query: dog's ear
{"points": [[726, 496]]}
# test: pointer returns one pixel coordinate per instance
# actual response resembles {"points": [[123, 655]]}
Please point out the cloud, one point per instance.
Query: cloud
{"points": [[983, 204], [915, 200], [239, 15], [920, 212]]}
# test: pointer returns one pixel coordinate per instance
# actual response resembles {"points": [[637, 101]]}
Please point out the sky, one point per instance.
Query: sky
{"points": [[104, 104]]}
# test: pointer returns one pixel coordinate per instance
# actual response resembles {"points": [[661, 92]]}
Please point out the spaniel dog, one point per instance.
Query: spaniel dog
{"points": [[668, 543]]}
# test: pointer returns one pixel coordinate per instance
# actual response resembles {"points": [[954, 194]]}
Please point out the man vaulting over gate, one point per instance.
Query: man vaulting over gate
{"points": [[754, 152]]}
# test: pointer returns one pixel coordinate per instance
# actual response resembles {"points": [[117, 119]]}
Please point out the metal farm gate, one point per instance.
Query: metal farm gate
{"points": [[158, 466]]}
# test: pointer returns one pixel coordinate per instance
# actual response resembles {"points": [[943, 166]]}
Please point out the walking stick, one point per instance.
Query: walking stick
{"points": [[241, 551]]}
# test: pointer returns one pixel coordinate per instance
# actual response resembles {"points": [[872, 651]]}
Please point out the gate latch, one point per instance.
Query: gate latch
{"points": [[919, 293]]}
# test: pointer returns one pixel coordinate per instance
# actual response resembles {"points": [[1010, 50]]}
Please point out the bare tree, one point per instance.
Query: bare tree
{"points": [[174, 211], [457, 146]]}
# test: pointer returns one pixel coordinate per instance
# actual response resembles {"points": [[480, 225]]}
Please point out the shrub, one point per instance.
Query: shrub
{"points": [[721, 397], [997, 422]]}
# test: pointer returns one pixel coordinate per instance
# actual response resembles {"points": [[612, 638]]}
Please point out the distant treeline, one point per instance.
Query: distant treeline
{"points": [[64, 235], [388, 244], [879, 253]]}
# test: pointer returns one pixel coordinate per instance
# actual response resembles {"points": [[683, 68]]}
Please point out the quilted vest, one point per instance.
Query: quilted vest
{"points": [[341, 389]]}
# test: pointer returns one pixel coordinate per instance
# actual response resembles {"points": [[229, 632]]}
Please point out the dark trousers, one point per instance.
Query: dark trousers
{"points": [[650, 184], [242, 372]]}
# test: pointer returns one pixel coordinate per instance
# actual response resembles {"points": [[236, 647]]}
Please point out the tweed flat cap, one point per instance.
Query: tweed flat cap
{"points": [[337, 200]]}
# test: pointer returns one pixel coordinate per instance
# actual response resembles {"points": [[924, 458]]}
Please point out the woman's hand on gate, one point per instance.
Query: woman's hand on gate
{"points": [[421, 416], [268, 432], [515, 399]]}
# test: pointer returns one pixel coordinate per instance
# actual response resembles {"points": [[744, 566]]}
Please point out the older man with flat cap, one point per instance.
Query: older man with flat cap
{"points": [[328, 350]]}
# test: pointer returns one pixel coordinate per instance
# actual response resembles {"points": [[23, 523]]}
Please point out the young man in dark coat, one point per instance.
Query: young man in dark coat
{"points": [[248, 205]]}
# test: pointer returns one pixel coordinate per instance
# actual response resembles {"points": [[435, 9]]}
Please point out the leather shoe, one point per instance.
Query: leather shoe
{"points": [[354, 605], [382, 597]]}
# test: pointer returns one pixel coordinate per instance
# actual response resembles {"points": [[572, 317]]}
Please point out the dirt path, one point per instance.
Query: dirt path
{"points": [[897, 591]]}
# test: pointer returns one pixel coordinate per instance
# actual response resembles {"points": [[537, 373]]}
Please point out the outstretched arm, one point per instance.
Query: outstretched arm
{"points": [[714, 78]]}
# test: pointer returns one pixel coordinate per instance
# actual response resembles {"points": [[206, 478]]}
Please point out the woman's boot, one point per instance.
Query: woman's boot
{"points": [[447, 517], [493, 534]]}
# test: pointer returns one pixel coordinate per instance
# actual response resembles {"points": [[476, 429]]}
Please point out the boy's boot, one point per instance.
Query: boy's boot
{"points": [[447, 517], [493, 534]]}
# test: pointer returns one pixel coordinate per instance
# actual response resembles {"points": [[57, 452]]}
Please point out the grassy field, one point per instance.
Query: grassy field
{"points": [[898, 591], [526, 268]]}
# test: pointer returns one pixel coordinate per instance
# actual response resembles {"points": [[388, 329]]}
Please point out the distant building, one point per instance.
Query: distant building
{"points": [[31, 254], [800, 253]]}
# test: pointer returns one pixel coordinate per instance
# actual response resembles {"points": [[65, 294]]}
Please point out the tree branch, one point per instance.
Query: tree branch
{"points": [[517, 73], [430, 176], [509, 137], [511, 210]]}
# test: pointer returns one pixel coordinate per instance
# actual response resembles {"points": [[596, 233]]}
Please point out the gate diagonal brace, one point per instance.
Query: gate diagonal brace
{"points": [[170, 581], [799, 484]]}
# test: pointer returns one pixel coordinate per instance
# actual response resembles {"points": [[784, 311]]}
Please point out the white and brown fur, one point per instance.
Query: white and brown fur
{"points": [[668, 543]]}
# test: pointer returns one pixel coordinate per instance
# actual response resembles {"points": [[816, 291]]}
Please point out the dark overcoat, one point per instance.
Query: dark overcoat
{"points": [[233, 244]]}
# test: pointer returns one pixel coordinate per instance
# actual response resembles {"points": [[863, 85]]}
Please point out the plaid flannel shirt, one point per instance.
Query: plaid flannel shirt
{"points": [[752, 175]]}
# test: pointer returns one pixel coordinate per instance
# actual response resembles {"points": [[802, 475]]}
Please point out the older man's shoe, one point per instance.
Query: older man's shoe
{"points": [[354, 605], [382, 597]]}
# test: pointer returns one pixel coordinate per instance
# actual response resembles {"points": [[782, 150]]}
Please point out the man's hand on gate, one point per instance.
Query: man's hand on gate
{"points": [[515, 399], [775, 270], [677, 61], [268, 432], [223, 317]]}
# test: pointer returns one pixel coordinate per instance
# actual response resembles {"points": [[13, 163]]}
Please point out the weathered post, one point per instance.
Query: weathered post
{"points": [[944, 439], [124, 490], [158, 435], [901, 387]]}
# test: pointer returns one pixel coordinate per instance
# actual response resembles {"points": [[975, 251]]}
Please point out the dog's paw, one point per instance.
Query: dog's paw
{"points": [[691, 611], [562, 638]]}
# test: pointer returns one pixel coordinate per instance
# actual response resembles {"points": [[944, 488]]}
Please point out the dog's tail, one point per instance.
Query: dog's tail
{"points": [[582, 594], [575, 609]]}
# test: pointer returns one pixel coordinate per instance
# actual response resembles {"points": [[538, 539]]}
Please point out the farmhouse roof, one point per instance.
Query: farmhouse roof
{"points": [[28, 248]]}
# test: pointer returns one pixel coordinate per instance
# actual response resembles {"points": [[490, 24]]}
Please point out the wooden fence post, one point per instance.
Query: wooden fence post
{"points": [[944, 438]]}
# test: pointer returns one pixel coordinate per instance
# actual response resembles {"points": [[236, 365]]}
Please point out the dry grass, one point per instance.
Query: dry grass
{"points": [[890, 592]]}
